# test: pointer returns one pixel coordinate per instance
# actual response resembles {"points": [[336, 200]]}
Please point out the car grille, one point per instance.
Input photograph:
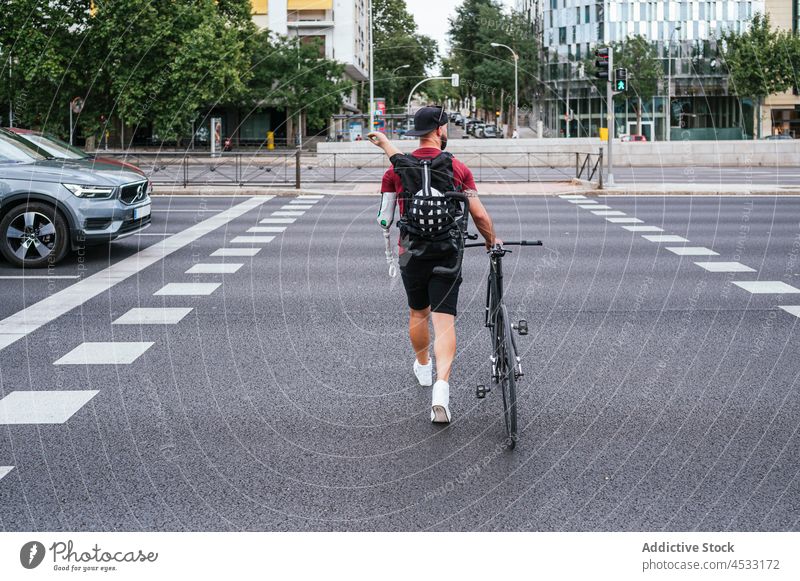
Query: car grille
{"points": [[132, 193]]}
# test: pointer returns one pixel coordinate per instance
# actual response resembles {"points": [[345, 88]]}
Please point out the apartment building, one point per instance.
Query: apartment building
{"points": [[781, 113]]}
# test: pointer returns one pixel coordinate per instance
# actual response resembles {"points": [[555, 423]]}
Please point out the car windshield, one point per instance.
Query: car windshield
{"points": [[15, 151], [54, 146]]}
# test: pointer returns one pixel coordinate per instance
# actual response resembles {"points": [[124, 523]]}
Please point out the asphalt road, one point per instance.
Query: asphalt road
{"points": [[658, 395]]}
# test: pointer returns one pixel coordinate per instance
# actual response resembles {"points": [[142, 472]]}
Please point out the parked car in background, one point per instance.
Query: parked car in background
{"points": [[51, 146], [779, 136], [492, 132], [477, 130], [632, 138], [49, 206], [459, 120]]}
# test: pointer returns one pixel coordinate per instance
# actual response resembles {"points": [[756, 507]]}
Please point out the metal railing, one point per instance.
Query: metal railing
{"points": [[295, 167]]}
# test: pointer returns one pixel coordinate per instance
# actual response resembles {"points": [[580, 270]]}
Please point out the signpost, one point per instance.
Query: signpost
{"points": [[75, 106], [216, 136]]}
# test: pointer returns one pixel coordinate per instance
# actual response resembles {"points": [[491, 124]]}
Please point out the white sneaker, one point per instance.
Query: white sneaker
{"points": [[440, 403], [424, 373]]}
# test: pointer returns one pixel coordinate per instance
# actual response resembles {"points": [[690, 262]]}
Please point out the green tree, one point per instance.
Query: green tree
{"points": [[292, 74], [640, 57], [397, 43], [161, 62]]}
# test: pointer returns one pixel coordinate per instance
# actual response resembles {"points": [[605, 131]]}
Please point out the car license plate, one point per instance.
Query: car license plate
{"points": [[142, 212]]}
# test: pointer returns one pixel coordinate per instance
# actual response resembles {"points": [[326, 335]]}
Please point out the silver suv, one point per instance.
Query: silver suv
{"points": [[49, 206]]}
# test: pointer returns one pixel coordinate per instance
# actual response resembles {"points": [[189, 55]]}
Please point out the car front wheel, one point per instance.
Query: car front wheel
{"points": [[34, 235]]}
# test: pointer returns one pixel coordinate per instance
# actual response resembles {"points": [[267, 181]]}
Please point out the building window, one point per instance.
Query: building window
{"points": [[562, 35], [553, 4], [578, 15], [587, 14]]}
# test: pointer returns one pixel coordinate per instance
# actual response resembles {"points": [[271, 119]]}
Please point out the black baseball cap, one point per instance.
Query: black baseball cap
{"points": [[427, 119]]}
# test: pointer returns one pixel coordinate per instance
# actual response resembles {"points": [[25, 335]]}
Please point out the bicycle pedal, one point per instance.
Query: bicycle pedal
{"points": [[481, 391], [521, 327]]}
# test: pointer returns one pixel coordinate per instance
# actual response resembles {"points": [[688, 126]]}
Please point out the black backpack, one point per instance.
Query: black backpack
{"points": [[431, 224]]}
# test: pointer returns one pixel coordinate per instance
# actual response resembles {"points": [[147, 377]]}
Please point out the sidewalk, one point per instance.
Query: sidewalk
{"points": [[499, 189]]}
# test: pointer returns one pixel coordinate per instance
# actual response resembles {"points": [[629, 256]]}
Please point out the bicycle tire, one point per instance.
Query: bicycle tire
{"points": [[508, 380]]}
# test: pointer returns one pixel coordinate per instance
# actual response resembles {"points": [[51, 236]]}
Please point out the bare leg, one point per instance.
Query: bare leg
{"points": [[444, 345], [419, 333]]}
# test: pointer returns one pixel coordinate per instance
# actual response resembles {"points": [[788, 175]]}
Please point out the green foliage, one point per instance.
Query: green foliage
{"points": [[288, 73], [397, 43], [640, 57]]}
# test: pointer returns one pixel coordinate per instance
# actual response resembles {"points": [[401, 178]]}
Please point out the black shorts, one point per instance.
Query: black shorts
{"points": [[425, 289]]}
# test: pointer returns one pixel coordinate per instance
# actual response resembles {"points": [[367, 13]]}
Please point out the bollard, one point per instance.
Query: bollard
{"points": [[600, 184], [297, 162]]}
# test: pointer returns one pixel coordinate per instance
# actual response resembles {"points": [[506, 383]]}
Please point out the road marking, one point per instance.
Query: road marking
{"points": [[5, 470], [625, 220], [152, 234], [156, 316], [766, 287], [57, 304], [608, 213], [109, 353], [292, 207], [692, 251], [40, 277], [278, 221], [792, 310], [309, 197], [236, 252], [572, 197], [266, 229], [725, 267], [643, 229], [252, 239], [586, 202], [42, 407], [280, 213], [665, 238], [304, 201], [192, 289], [594, 207], [215, 268]]}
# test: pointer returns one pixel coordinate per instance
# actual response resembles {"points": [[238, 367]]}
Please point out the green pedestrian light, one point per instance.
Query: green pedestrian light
{"points": [[621, 85]]}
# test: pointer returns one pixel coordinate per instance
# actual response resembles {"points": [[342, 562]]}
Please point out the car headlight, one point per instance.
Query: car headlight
{"points": [[90, 191]]}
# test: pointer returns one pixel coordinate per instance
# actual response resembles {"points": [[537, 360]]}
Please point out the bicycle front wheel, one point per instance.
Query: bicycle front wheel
{"points": [[508, 380]]}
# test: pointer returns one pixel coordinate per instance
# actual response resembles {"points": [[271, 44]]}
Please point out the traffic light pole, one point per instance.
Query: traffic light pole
{"points": [[610, 117]]}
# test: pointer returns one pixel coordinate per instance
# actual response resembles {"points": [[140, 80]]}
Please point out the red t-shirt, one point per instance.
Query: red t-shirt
{"points": [[462, 176]]}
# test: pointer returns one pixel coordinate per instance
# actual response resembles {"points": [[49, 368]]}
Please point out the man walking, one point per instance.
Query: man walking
{"points": [[417, 182]]}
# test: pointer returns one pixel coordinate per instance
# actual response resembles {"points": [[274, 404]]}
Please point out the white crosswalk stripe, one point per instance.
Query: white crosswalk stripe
{"points": [[625, 220], [665, 238], [5, 470], [215, 268], [266, 229], [794, 310], [643, 228], [238, 252], [608, 213], [252, 240], [764, 287], [725, 267], [188, 289], [42, 407], [153, 316], [295, 207], [692, 251], [105, 353], [278, 221], [282, 213]]}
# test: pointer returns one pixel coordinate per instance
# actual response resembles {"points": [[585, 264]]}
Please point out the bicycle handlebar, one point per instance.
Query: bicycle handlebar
{"points": [[516, 243]]}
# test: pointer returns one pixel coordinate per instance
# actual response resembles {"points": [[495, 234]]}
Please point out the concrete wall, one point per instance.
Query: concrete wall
{"points": [[561, 152]]}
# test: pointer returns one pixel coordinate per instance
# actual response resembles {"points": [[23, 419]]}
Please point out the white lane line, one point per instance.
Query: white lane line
{"points": [[304, 201], [625, 220], [584, 202], [280, 213], [594, 207], [187, 289], [5, 470], [293, 207], [266, 229], [766, 287], [609, 213], [725, 267], [153, 316], [792, 310], [119, 353], [665, 238], [692, 251], [278, 221], [236, 252], [215, 268], [153, 234], [75, 295], [309, 197], [572, 197], [42, 407], [643, 229], [40, 277], [252, 239]]}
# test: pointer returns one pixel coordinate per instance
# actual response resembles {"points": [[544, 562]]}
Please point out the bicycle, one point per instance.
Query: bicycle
{"points": [[506, 363]]}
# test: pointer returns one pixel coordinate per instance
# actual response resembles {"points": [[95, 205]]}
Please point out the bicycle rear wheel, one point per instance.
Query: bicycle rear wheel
{"points": [[508, 380]]}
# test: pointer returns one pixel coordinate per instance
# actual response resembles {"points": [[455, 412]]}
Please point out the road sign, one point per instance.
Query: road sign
{"points": [[76, 105], [455, 79]]}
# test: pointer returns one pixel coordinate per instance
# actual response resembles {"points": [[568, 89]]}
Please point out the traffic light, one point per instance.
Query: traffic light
{"points": [[497, 113], [602, 62], [621, 80]]}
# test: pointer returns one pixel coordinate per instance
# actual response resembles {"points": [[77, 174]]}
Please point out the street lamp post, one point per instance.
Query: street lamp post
{"points": [[516, 83], [453, 79], [668, 108], [400, 67]]}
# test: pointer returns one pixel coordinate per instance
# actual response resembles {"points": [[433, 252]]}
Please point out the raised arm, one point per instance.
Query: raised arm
{"points": [[383, 142]]}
